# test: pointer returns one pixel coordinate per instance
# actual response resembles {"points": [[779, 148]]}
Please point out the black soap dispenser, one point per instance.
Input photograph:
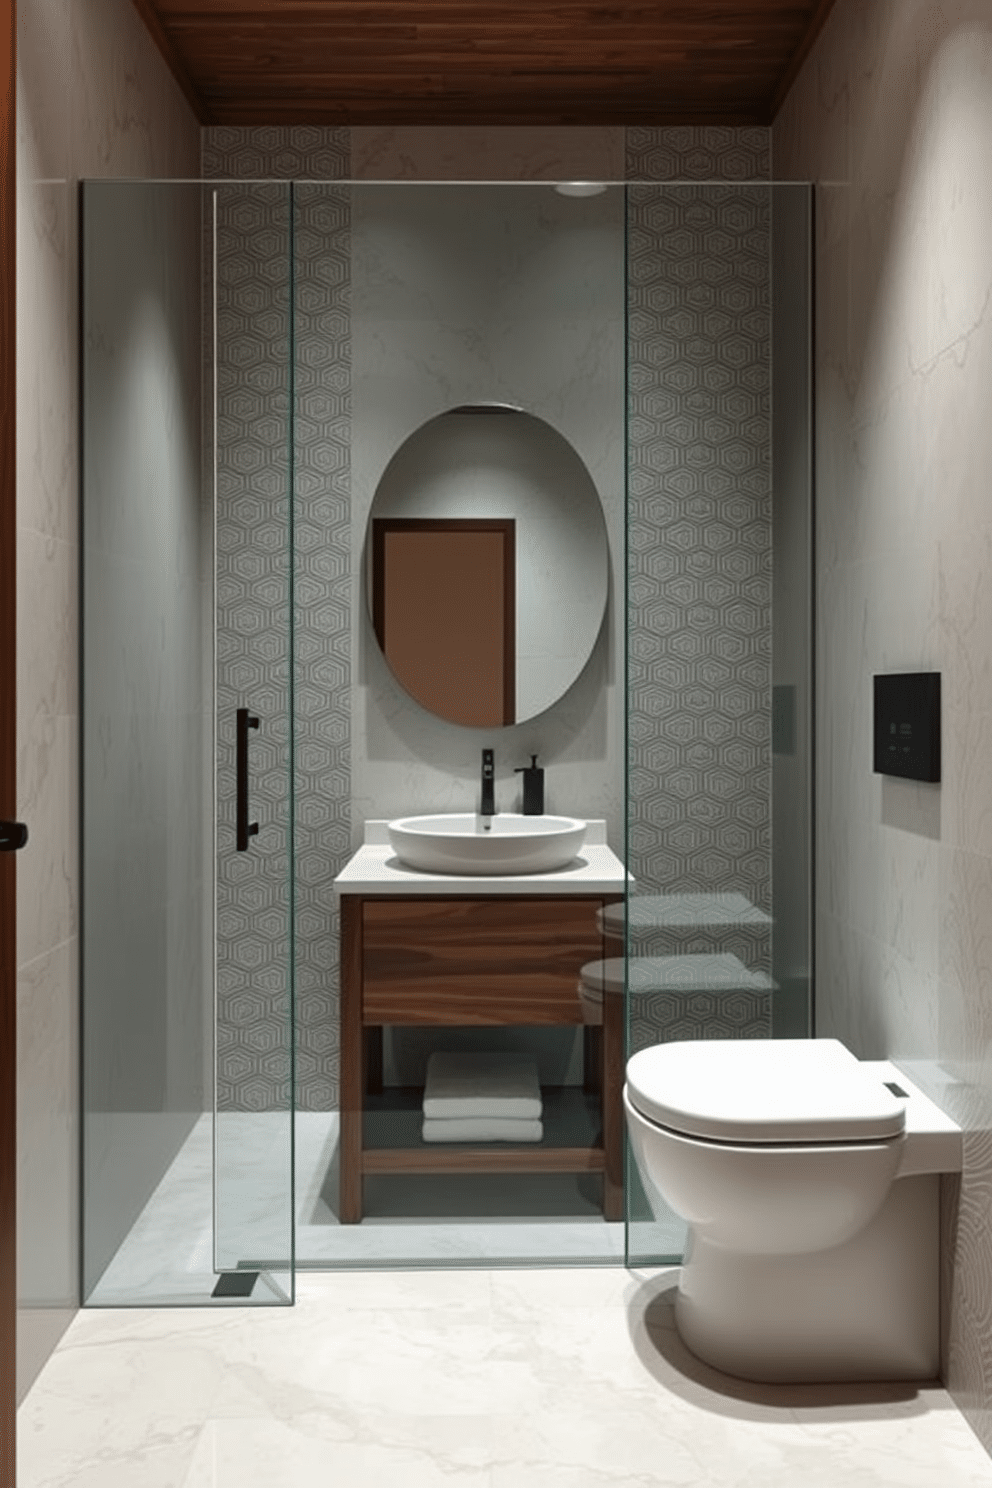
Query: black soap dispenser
{"points": [[533, 787]]}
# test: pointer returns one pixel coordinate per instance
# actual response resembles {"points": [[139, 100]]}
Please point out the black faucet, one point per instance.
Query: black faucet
{"points": [[487, 806]]}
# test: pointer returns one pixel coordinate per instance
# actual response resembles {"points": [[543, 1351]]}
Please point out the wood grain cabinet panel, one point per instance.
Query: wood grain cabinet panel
{"points": [[476, 961], [499, 961]]}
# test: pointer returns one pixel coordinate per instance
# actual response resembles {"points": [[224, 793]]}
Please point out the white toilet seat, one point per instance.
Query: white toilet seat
{"points": [[809, 1183], [786, 1091]]}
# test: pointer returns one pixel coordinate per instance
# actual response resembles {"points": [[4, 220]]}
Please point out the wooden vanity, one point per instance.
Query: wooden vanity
{"points": [[461, 956]]}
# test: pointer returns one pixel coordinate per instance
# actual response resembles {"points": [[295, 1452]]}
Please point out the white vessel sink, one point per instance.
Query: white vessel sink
{"points": [[492, 845]]}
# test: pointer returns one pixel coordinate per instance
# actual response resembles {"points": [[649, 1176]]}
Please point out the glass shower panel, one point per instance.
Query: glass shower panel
{"points": [[719, 647], [413, 299], [252, 357], [157, 827], [147, 971], [792, 611]]}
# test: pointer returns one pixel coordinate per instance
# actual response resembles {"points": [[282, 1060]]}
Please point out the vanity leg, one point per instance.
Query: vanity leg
{"points": [[613, 1127], [350, 1147], [373, 1060], [592, 1059]]}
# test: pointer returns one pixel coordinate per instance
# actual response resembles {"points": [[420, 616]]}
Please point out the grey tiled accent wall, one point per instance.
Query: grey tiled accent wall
{"points": [[322, 541], [699, 534], [726, 1015], [711, 152], [253, 544], [276, 152], [254, 907]]}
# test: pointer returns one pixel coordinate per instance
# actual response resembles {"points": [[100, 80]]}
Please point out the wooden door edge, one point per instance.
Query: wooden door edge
{"points": [[8, 754]]}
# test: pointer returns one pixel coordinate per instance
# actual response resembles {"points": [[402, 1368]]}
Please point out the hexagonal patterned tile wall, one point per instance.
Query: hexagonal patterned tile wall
{"points": [[253, 548], [253, 536], [322, 506], [699, 532], [709, 152]]}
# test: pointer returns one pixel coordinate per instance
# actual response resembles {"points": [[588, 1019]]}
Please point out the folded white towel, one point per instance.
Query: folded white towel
{"points": [[488, 1085], [482, 1129]]}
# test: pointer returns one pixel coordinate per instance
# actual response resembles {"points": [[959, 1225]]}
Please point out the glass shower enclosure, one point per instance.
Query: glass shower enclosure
{"points": [[187, 827], [717, 935], [254, 353]]}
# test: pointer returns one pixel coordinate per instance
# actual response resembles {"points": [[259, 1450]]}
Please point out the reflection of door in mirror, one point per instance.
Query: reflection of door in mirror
{"points": [[444, 611]]}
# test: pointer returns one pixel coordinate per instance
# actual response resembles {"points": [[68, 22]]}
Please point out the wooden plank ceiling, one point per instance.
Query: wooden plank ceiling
{"points": [[500, 62]]}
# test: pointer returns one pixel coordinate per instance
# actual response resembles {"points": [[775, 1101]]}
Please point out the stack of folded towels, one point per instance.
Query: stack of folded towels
{"points": [[482, 1098]]}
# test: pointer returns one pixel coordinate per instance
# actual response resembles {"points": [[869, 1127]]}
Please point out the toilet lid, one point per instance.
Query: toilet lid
{"points": [[763, 1090]]}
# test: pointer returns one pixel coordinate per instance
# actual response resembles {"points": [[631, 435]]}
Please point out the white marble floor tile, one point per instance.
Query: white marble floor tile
{"points": [[303, 1454], [111, 1412], [478, 1379]]}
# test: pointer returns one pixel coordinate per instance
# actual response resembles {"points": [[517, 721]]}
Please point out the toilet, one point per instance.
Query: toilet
{"points": [[809, 1181]]}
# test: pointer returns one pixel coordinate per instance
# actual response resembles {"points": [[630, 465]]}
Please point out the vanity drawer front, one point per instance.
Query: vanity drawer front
{"points": [[476, 961]]}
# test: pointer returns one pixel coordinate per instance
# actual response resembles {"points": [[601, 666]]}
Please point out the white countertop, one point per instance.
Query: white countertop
{"points": [[375, 869]]}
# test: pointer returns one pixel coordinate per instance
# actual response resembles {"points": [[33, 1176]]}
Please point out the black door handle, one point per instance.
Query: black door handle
{"points": [[13, 836], [246, 829]]}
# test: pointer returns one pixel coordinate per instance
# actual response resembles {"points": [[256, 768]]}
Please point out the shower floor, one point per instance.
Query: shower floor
{"points": [[167, 1257]]}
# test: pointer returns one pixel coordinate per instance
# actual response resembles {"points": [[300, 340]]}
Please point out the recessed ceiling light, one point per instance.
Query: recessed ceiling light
{"points": [[580, 188]]}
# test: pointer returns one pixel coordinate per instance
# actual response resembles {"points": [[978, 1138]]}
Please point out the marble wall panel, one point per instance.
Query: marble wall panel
{"points": [[94, 98], [487, 153], [405, 760], [465, 294], [892, 116]]}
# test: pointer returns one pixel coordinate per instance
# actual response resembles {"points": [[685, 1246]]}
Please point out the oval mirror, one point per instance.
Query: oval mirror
{"points": [[487, 565]]}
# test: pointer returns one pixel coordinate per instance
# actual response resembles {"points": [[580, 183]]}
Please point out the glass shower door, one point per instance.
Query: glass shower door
{"points": [[252, 359], [187, 1018]]}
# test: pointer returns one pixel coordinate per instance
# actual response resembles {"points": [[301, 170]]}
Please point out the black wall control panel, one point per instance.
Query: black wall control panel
{"points": [[907, 725]]}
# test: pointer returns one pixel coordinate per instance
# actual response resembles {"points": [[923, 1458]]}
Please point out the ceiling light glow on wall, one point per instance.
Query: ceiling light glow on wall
{"points": [[580, 188]]}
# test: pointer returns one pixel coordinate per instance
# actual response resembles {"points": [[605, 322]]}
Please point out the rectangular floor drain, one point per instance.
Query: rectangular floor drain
{"points": [[235, 1284]]}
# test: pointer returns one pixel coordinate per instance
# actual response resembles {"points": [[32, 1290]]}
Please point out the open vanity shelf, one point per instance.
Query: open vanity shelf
{"points": [[573, 1137], [484, 954]]}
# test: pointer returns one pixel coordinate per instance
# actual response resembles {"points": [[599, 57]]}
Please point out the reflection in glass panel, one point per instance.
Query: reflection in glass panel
{"points": [[716, 932]]}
